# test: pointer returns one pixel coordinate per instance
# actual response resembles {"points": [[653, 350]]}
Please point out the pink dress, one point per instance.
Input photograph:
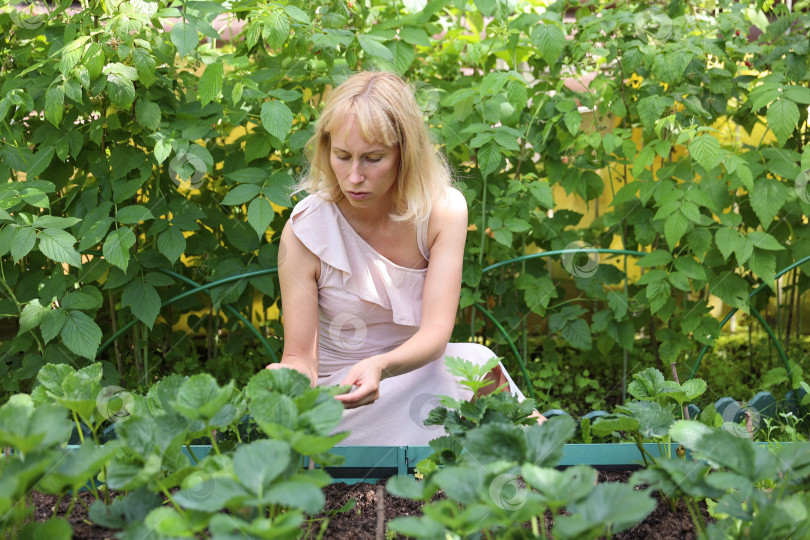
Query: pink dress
{"points": [[368, 305]]}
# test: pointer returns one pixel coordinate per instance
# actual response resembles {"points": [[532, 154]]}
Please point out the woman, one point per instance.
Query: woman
{"points": [[370, 264]]}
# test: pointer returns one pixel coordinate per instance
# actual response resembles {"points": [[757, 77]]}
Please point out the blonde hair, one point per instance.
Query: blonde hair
{"points": [[386, 111]]}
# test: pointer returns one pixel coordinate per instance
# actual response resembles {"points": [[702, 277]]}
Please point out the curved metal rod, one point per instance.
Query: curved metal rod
{"points": [[195, 290], [234, 311], [759, 317], [562, 252], [512, 346], [695, 367]]}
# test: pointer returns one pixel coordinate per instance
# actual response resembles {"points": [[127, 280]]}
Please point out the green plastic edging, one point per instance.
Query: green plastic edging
{"points": [[372, 463]]}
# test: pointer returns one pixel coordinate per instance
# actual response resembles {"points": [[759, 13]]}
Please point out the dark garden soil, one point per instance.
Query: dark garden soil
{"points": [[374, 507]]}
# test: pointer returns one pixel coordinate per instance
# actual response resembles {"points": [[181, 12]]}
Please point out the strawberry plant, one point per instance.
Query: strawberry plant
{"points": [[261, 484]]}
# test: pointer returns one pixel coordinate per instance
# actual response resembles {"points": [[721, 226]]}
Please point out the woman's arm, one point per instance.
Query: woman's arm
{"points": [[439, 305], [298, 271]]}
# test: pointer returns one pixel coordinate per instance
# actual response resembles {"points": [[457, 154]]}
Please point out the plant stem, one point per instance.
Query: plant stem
{"points": [[78, 426], [214, 445], [171, 499], [56, 506]]}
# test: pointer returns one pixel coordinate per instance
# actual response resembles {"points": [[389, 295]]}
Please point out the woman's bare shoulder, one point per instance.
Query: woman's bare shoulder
{"points": [[451, 206]]}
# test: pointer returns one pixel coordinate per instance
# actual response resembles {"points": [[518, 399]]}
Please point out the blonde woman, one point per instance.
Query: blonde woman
{"points": [[371, 261]]}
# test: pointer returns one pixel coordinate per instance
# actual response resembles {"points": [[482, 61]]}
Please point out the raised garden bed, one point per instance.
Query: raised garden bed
{"points": [[370, 508]]}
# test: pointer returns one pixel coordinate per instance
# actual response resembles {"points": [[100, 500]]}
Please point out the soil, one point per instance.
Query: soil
{"points": [[374, 507]]}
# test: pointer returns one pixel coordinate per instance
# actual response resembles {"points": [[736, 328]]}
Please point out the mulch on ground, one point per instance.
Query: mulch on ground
{"points": [[375, 507]]}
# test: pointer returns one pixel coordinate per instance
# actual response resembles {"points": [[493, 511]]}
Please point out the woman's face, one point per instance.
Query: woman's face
{"points": [[365, 172]]}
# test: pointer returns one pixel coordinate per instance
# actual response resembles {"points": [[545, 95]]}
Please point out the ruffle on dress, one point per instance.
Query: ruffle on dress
{"points": [[366, 273]]}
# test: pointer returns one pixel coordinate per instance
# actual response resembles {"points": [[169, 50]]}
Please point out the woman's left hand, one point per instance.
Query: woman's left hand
{"points": [[365, 377]]}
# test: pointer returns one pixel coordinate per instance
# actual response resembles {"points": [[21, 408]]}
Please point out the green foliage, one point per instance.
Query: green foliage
{"points": [[256, 488], [130, 149]]}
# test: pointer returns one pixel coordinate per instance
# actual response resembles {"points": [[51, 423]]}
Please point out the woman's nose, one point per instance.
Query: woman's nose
{"points": [[354, 175]]}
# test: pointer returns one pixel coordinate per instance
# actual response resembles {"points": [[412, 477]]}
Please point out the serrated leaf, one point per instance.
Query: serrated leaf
{"points": [[171, 243], [22, 242], [690, 268], [650, 110], [297, 14], [95, 233], [731, 289], [55, 104], [276, 28], [163, 149], [184, 36], [659, 257], [549, 40], [767, 199], [52, 323], [81, 334], [516, 94], [145, 64], [120, 90], [277, 119], [116, 247], [57, 245], [763, 240], [143, 300], [572, 120], [373, 47], [31, 315], [541, 191], [783, 117], [414, 36], [489, 158], [210, 85], [578, 334], [726, 240], [201, 398], [260, 215], [743, 250], [40, 161], [132, 214], [147, 114], [259, 463], [705, 150], [674, 228], [54, 222], [241, 194], [763, 264]]}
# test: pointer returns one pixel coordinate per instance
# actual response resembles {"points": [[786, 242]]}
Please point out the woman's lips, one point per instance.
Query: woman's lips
{"points": [[357, 195]]}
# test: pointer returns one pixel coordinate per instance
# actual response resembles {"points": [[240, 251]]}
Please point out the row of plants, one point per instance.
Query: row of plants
{"points": [[750, 490], [129, 148], [140, 456], [252, 482]]}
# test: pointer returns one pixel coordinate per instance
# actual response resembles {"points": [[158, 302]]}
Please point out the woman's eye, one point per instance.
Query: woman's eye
{"points": [[373, 160], [343, 158]]}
